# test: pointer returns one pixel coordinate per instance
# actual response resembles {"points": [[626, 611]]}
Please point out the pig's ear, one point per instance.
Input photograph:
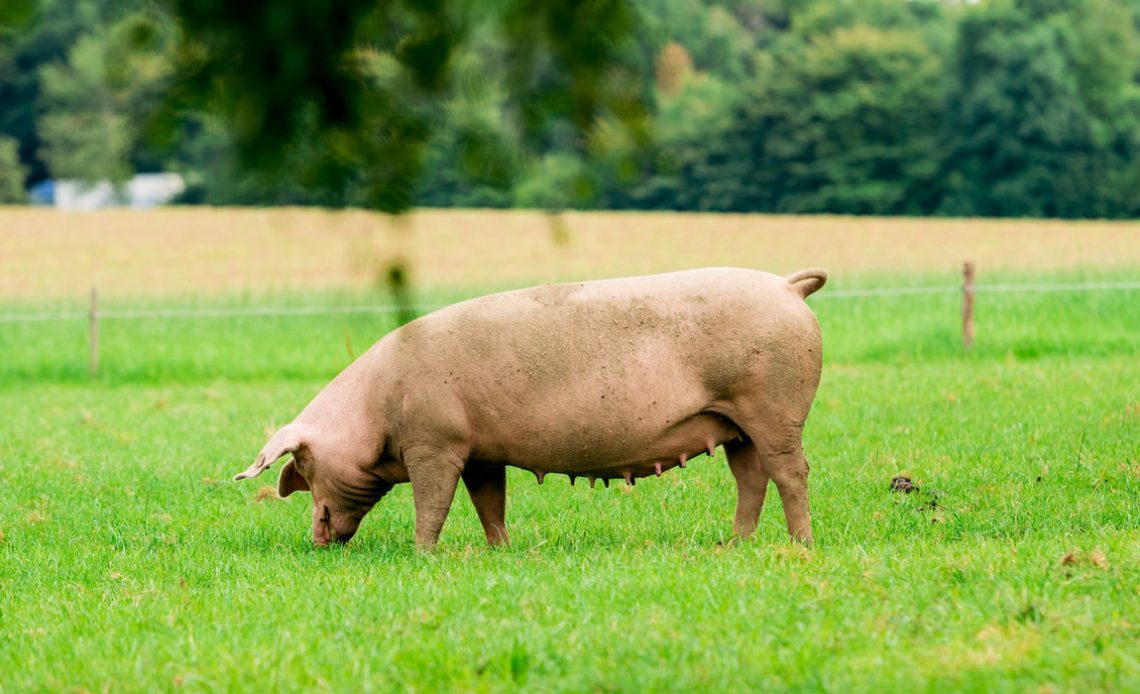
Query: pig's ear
{"points": [[287, 440], [291, 481]]}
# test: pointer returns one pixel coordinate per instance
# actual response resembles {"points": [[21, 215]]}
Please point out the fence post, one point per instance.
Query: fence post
{"points": [[93, 321], [968, 305]]}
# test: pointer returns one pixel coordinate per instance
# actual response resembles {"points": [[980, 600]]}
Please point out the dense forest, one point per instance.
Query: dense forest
{"points": [[895, 107]]}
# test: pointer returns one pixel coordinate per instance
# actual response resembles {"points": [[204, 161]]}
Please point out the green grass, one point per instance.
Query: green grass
{"points": [[888, 330], [129, 562]]}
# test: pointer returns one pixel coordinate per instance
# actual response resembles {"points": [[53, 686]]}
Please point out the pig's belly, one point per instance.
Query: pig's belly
{"points": [[631, 452], [634, 411]]}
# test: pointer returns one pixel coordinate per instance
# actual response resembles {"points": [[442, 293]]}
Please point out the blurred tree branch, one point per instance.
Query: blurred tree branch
{"points": [[345, 96]]}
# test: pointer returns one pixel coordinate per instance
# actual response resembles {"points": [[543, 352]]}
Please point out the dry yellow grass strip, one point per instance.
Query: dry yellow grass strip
{"points": [[46, 254]]}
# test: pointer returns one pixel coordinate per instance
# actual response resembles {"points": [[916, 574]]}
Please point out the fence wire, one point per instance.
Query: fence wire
{"points": [[253, 311], [978, 289]]}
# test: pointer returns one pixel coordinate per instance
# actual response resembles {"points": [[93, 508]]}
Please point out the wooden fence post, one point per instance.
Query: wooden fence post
{"points": [[93, 321], [968, 305]]}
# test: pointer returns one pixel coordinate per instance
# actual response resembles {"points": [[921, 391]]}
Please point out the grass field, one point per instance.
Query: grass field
{"points": [[128, 561]]}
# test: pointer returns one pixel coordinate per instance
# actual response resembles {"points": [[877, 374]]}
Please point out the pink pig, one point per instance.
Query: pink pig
{"points": [[620, 378]]}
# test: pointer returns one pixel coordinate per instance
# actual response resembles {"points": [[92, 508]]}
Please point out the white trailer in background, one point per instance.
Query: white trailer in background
{"points": [[140, 192]]}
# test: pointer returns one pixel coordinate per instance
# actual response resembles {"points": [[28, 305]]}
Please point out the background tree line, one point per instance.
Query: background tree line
{"points": [[916, 107]]}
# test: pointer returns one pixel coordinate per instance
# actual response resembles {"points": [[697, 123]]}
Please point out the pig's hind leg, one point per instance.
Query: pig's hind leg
{"points": [[751, 485], [788, 468], [487, 487], [778, 446], [771, 410]]}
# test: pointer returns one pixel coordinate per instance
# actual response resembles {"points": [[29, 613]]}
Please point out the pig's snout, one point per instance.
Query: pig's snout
{"points": [[326, 529], [322, 525], [321, 535]]}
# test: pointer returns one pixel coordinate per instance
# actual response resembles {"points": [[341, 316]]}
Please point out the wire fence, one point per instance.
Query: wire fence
{"points": [[968, 289], [979, 289], [182, 313], [211, 312]]}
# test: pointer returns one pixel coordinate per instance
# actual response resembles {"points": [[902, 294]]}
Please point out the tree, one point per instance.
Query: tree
{"points": [[96, 104], [694, 168], [48, 29], [12, 173], [348, 95], [83, 129], [472, 159], [1043, 118], [846, 122], [714, 38]]}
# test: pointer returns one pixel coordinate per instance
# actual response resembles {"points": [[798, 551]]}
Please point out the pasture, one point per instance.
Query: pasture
{"points": [[130, 562]]}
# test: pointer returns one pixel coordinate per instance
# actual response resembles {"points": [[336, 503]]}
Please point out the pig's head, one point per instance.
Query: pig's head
{"points": [[344, 489]]}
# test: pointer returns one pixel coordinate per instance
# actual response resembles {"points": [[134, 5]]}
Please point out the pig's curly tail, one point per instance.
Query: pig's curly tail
{"points": [[808, 282]]}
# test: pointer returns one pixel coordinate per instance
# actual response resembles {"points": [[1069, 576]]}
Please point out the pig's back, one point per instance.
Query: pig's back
{"points": [[556, 373]]}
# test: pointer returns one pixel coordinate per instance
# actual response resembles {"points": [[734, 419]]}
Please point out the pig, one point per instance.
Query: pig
{"points": [[609, 379]]}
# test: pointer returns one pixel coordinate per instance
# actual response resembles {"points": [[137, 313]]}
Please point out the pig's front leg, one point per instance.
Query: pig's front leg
{"points": [[487, 486], [434, 474]]}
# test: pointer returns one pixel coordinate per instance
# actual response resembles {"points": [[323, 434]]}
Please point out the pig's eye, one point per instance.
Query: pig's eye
{"points": [[326, 516]]}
